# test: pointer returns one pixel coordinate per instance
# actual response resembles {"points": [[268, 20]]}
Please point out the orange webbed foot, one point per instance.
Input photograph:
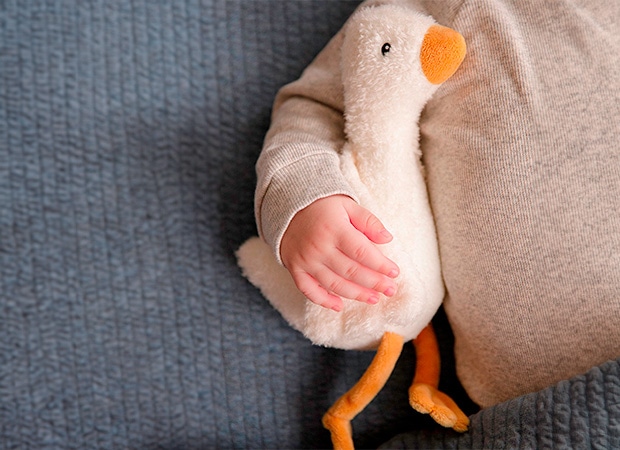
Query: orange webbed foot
{"points": [[429, 400]]}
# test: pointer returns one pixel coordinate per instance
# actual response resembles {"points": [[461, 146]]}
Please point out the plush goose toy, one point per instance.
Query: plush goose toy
{"points": [[393, 59]]}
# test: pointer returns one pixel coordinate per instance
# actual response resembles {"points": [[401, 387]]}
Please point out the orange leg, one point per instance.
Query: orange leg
{"points": [[424, 395], [338, 418]]}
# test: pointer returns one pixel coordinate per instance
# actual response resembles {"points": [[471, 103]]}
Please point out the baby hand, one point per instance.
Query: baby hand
{"points": [[328, 249]]}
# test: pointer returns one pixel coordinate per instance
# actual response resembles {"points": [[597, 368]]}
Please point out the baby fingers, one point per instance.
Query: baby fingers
{"points": [[316, 293], [362, 287], [360, 250], [368, 283]]}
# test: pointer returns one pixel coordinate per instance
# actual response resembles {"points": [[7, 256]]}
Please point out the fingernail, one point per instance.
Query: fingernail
{"points": [[393, 273], [373, 300], [385, 233], [337, 308], [390, 291]]}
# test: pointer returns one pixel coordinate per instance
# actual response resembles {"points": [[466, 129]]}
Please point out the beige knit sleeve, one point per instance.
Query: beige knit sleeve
{"points": [[299, 161]]}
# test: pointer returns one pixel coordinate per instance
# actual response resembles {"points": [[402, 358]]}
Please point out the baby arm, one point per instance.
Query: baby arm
{"points": [[305, 209]]}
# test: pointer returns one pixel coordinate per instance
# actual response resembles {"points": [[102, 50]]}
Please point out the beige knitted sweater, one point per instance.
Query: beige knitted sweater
{"points": [[522, 154]]}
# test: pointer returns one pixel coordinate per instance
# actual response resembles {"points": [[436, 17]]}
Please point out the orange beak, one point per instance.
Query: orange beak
{"points": [[443, 51]]}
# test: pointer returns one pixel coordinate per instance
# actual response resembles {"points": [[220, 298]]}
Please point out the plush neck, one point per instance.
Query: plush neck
{"points": [[383, 131]]}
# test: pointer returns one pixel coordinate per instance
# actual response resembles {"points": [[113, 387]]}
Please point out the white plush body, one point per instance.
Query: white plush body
{"points": [[385, 93]]}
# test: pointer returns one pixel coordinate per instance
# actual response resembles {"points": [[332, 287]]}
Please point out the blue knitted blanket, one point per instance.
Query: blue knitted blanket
{"points": [[128, 136]]}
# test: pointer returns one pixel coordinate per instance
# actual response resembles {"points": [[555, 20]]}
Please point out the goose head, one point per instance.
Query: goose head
{"points": [[392, 60]]}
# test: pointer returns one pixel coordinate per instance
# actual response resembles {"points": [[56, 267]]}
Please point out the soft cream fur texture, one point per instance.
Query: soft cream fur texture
{"points": [[385, 93]]}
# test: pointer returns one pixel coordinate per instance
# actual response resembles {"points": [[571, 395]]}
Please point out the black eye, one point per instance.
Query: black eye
{"points": [[385, 48]]}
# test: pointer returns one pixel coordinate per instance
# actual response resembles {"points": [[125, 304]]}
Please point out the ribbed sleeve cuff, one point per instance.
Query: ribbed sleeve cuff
{"points": [[293, 188]]}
